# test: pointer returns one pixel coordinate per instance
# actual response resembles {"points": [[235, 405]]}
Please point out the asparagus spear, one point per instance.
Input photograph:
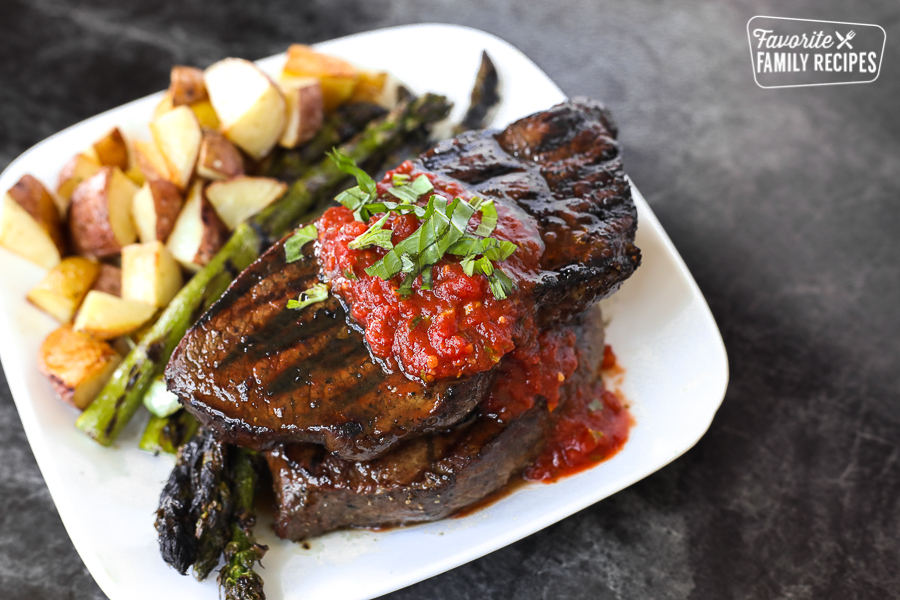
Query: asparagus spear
{"points": [[485, 96], [113, 408], [212, 506], [168, 434], [237, 578], [347, 121], [175, 521], [194, 517]]}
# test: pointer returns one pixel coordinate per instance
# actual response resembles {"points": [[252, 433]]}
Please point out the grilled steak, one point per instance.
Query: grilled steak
{"points": [[256, 372], [423, 479], [259, 374]]}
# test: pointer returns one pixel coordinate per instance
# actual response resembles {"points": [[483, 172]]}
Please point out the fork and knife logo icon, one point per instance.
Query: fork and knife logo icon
{"points": [[845, 39]]}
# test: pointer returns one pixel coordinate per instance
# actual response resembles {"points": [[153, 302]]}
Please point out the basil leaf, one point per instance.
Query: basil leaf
{"points": [[348, 166], [316, 293], [293, 247], [501, 285], [374, 236], [489, 218], [501, 250], [468, 265], [354, 199], [421, 185]]}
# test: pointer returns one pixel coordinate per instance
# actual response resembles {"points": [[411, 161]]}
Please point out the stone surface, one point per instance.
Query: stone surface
{"points": [[784, 203]]}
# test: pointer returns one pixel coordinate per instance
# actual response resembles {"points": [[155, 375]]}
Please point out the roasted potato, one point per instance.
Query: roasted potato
{"points": [[76, 170], [150, 161], [203, 110], [109, 280], [77, 365], [305, 111], [198, 232], [105, 316], [22, 235], [177, 135], [250, 106], [187, 85], [150, 274], [65, 286], [370, 87], [206, 114], [112, 151], [30, 194], [154, 210], [100, 214], [237, 199], [218, 159], [337, 76]]}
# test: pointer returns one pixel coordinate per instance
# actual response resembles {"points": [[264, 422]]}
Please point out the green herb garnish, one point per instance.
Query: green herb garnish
{"points": [[293, 247], [316, 293], [375, 235], [595, 405], [364, 192], [443, 230], [408, 193]]}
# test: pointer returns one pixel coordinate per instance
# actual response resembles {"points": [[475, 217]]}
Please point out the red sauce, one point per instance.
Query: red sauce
{"points": [[540, 368], [590, 426], [455, 329]]}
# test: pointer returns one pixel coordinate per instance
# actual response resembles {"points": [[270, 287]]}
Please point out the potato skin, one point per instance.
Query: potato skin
{"points": [[187, 85], [215, 233], [219, 158], [168, 201], [92, 234], [30, 194], [79, 168], [108, 280]]}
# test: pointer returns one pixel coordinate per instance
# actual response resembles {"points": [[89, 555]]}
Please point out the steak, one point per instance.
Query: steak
{"points": [[260, 375], [256, 372], [423, 479]]}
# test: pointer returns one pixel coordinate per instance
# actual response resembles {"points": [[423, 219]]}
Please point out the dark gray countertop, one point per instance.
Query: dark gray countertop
{"points": [[785, 204]]}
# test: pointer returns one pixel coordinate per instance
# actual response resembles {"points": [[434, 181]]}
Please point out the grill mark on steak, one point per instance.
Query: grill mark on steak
{"points": [[256, 372], [423, 479], [260, 374]]}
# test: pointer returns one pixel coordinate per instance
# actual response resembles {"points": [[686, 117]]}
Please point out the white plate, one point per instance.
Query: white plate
{"points": [[661, 329]]}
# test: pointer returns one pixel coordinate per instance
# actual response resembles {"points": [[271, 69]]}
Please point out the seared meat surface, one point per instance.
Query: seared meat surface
{"points": [[423, 479], [256, 372], [260, 374]]}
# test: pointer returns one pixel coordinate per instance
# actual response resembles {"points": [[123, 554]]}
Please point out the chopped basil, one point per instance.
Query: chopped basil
{"points": [[443, 230], [316, 293], [409, 193], [375, 235], [501, 284], [595, 405], [365, 191], [489, 219], [293, 247], [346, 164]]}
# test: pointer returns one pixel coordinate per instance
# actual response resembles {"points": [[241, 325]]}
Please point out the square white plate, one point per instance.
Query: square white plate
{"points": [[661, 330]]}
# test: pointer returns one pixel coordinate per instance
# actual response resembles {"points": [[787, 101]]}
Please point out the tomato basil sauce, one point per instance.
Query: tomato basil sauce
{"points": [[589, 424], [458, 328]]}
